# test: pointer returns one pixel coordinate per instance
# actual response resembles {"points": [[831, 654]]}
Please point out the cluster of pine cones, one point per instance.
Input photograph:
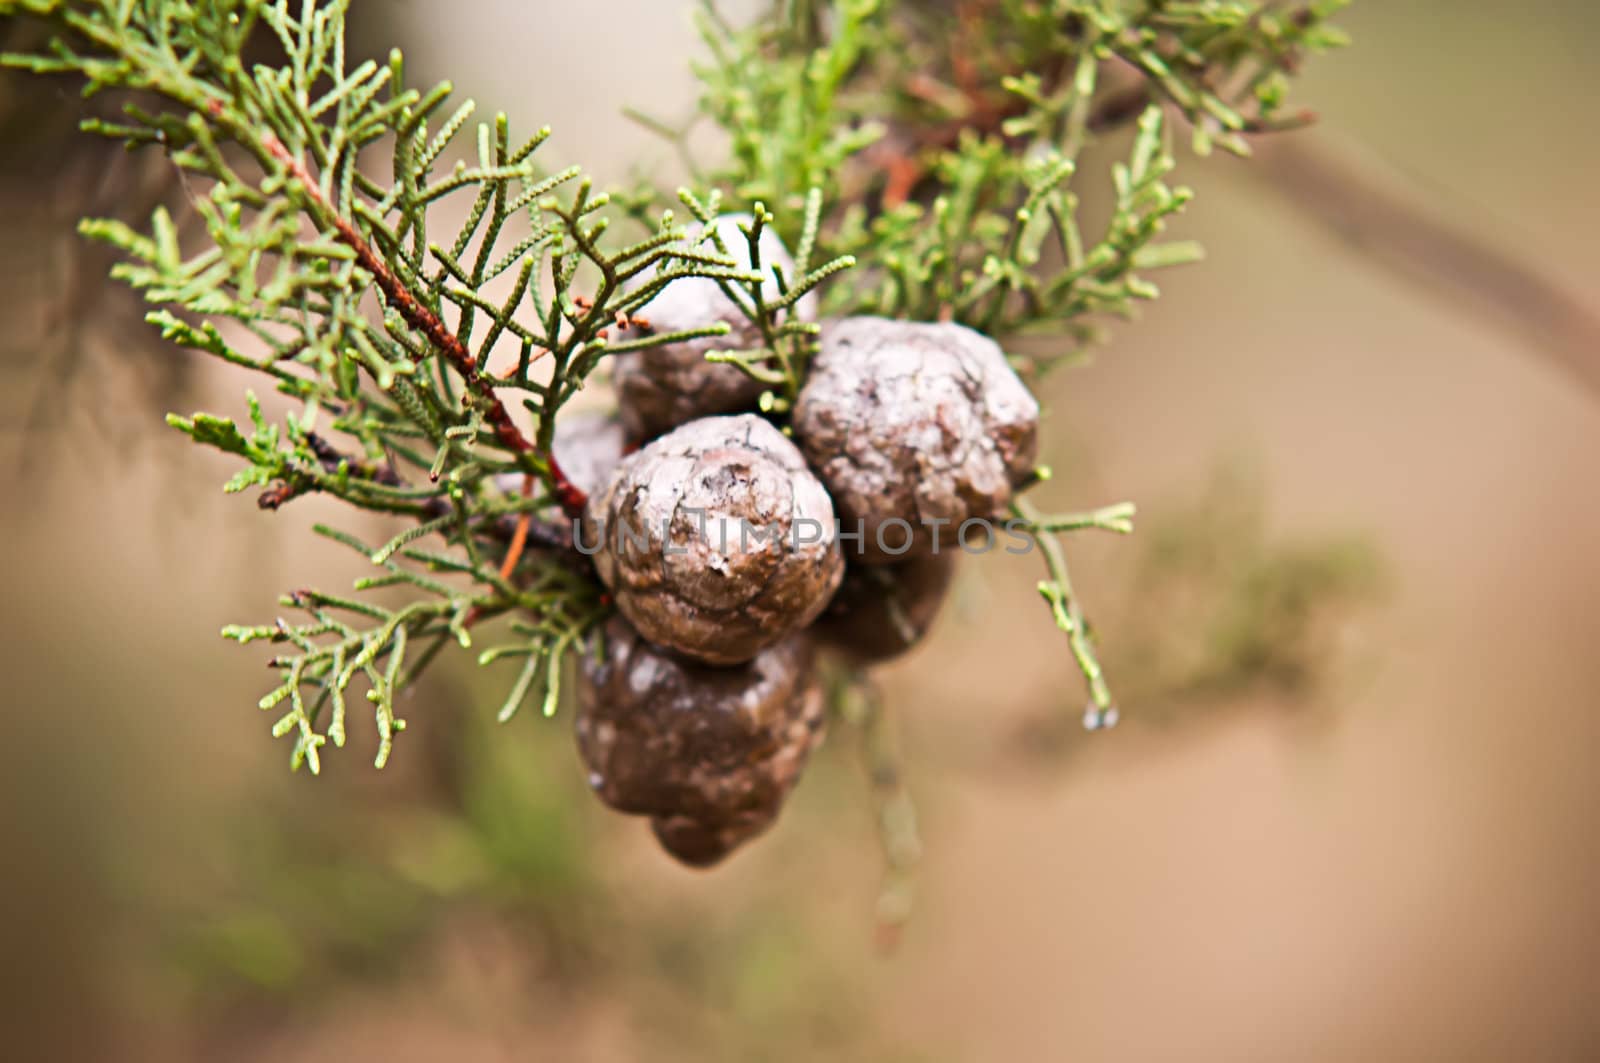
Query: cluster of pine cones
{"points": [[736, 551]]}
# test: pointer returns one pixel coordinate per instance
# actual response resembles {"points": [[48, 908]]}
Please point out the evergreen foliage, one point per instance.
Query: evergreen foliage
{"points": [[924, 161]]}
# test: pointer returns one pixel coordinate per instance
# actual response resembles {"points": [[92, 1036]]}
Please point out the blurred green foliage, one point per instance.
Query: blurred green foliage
{"points": [[1219, 607]]}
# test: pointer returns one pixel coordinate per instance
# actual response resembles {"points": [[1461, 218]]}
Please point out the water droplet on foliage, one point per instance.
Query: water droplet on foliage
{"points": [[1097, 719]]}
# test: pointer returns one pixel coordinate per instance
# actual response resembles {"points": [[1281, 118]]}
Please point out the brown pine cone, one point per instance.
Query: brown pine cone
{"points": [[660, 388], [715, 540], [881, 611], [710, 752], [914, 428], [697, 844]]}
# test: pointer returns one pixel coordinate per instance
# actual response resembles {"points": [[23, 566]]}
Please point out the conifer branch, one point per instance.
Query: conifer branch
{"points": [[420, 318], [929, 153]]}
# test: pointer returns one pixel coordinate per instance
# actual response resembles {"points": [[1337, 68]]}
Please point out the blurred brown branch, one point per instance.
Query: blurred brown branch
{"points": [[1386, 219], [1383, 216], [1377, 212]]}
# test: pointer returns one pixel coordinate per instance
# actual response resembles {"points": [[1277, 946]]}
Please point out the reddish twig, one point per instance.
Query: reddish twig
{"points": [[424, 320], [519, 538]]}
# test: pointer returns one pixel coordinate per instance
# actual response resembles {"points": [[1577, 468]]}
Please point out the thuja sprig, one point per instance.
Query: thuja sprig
{"points": [[1056, 590], [969, 122], [940, 148], [777, 88], [345, 638], [1025, 265], [397, 411], [787, 343], [1225, 65]]}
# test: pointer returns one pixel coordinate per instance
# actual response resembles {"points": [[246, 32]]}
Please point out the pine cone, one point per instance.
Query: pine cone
{"points": [[697, 844], [660, 388], [716, 540], [914, 428], [710, 753], [881, 611]]}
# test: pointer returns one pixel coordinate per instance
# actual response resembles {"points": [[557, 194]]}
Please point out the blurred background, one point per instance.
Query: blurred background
{"points": [[1350, 813]]}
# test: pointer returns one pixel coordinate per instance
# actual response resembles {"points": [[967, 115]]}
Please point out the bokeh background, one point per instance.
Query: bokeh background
{"points": [[1350, 814]]}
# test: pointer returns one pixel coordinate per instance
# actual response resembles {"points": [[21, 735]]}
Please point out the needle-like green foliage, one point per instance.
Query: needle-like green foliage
{"points": [[923, 159], [952, 134], [321, 272]]}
